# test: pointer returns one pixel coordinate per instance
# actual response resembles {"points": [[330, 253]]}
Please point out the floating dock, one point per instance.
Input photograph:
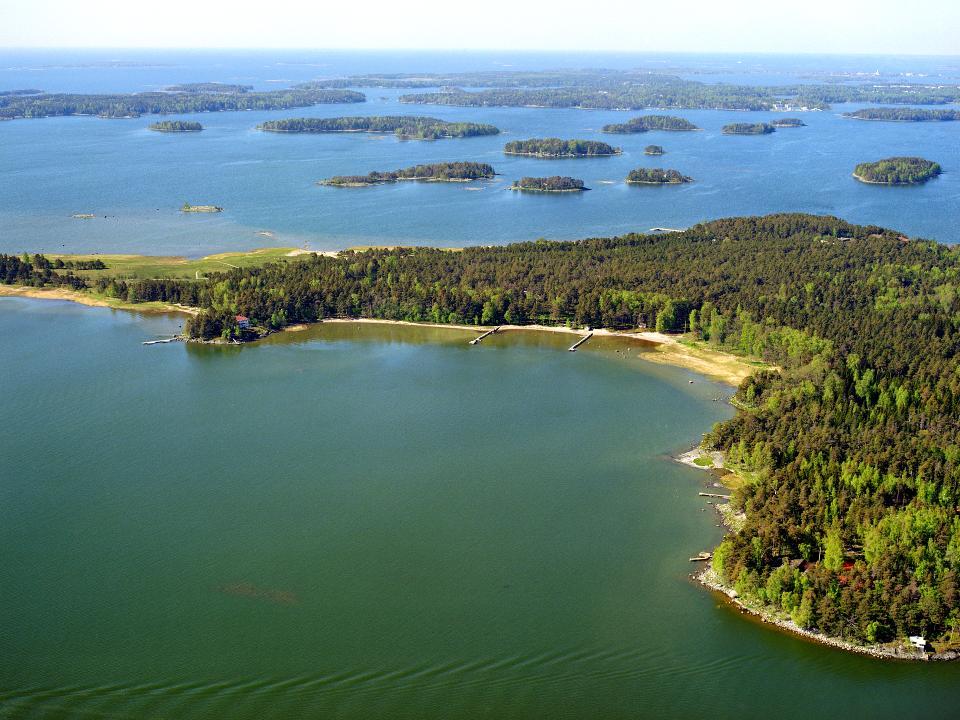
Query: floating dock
{"points": [[716, 495], [161, 342], [581, 341], [701, 557], [481, 337]]}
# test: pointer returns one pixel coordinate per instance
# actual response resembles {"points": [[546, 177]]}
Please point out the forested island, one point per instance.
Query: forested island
{"points": [[557, 148], [554, 183], [185, 101], [176, 126], [646, 123], [897, 171], [892, 114], [653, 150], [638, 89], [406, 126], [788, 123], [209, 87], [656, 176], [435, 172], [748, 129], [849, 450]]}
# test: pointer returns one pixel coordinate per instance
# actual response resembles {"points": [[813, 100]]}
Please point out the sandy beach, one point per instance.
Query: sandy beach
{"points": [[659, 347], [84, 298]]}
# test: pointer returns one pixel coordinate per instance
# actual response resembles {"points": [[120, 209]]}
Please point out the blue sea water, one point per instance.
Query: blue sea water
{"points": [[135, 180]]}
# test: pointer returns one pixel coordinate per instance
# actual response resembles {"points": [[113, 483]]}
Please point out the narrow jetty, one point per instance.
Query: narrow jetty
{"points": [[161, 342], [581, 341], [701, 557], [703, 494], [481, 337]]}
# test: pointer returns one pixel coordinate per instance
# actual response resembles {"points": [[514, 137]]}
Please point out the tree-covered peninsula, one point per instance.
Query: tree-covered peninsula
{"points": [[848, 449], [557, 148], [183, 101], [656, 176], [897, 171], [645, 123], [176, 126], [893, 114], [788, 123], [554, 183], [435, 172], [407, 126], [748, 129], [653, 150]]}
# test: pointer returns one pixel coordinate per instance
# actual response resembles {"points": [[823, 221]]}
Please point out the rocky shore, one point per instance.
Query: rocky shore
{"points": [[709, 579]]}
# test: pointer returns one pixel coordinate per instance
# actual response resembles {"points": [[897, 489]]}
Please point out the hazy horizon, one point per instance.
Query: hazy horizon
{"points": [[859, 27]]}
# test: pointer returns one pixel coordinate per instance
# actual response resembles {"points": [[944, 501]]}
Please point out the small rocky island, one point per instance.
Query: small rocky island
{"points": [[188, 208], [646, 123], [748, 129], [653, 150], [897, 171], [656, 176], [555, 183], [176, 126], [904, 114], [557, 148], [435, 172], [412, 127], [788, 123]]}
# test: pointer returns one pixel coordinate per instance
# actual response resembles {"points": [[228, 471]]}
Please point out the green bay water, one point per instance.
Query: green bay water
{"points": [[362, 521]]}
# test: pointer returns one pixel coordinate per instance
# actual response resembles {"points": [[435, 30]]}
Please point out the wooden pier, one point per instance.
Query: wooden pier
{"points": [[581, 341], [161, 342], [481, 337], [716, 495], [701, 557]]}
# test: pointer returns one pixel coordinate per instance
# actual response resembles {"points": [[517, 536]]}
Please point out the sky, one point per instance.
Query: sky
{"points": [[894, 27]]}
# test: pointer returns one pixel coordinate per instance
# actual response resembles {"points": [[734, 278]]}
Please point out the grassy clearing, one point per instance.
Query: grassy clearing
{"points": [[143, 267]]}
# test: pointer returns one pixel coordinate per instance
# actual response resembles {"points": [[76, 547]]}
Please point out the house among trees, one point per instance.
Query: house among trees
{"points": [[243, 322], [918, 642]]}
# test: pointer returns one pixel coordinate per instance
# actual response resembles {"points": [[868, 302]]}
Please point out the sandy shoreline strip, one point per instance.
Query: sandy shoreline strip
{"points": [[660, 348], [84, 298]]}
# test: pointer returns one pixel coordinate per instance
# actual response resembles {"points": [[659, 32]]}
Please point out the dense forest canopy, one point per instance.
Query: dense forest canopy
{"points": [[850, 450], [657, 176], [448, 172], [557, 148], [893, 114], [743, 128], [897, 171], [554, 183], [408, 126], [189, 101], [176, 126], [645, 123]]}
